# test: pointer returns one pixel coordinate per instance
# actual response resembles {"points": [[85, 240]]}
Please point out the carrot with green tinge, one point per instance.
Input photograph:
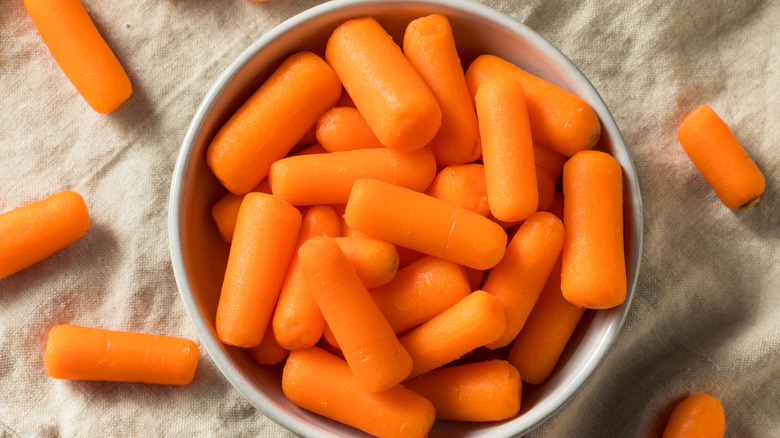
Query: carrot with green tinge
{"points": [[225, 211], [269, 352], [462, 185], [345, 129], [375, 261], [699, 416]]}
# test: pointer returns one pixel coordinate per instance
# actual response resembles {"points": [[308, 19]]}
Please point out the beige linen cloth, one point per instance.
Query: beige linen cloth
{"points": [[705, 316]]}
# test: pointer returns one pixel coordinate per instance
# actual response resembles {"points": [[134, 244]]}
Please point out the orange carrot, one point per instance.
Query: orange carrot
{"points": [[81, 52], [556, 206], [549, 160], [345, 129], [720, 158], [313, 149], [407, 256], [699, 415], [518, 280], [559, 119], [225, 211], [481, 391], [320, 382], [375, 261], [364, 336], [386, 89], [593, 268], [83, 353], [475, 277], [272, 121], [297, 321], [269, 352], [30, 233], [462, 185], [474, 321], [263, 245], [421, 291], [425, 224], [507, 150], [309, 138], [328, 178], [430, 47], [546, 187], [330, 338], [345, 100]]}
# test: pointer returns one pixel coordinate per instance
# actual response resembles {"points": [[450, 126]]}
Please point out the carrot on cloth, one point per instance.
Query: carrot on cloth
{"points": [[462, 185], [84, 353], [720, 158], [699, 415], [267, 126], [263, 245], [328, 178], [297, 321], [318, 381], [81, 52], [375, 356], [519, 278], [269, 352], [225, 211], [421, 291], [480, 391], [559, 119], [375, 261], [387, 90], [507, 150], [549, 160], [345, 129], [425, 224], [593, 267], [546, 187], [474, 321], [30, 233], [430, 47]]}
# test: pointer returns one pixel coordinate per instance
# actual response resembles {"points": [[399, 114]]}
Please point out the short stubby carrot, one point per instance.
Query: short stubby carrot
{"points": [[549, 160], [371, 348], [225, 211], [546, 187], [84, 353], [328, 178], [387, 90], [430, 47], [700, 416], [267, 126], [345, 129], [559, 119], [593, 267], [720, 158], [481, 391], [462, 185], [81, 52], [375, 261], [269, 352], [425, 224], [263, 245], [320, 382], [30, 233]]}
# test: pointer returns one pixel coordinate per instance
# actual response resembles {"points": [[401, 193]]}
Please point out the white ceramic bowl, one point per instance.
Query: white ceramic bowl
{"points": [[199, 256]]}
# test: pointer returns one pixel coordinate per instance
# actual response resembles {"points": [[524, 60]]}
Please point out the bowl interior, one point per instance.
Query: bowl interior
{"points": [[199, 256]]}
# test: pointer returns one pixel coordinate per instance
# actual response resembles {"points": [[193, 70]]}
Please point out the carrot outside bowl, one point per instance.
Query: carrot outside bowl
{"points": [[199, 256]]}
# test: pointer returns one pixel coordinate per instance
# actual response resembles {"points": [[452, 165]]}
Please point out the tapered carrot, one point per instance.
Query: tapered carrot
{"points": [[699, 416], [559, 119], [30, 233], [549, 160], [425, 224], [462, 185], [387, 90], [375, 261], [593, 268], [263, 245], [364, 336], [269, 352], [320, 382], [225, 211], [519, 278], [721, 159], [272, 120], [328, 178], [81, 52], [474, 321], [430, 47], [297, 321], [507, 150], [345, 129], [480, 391], [83, 353], [421, 291], [546, 187]]}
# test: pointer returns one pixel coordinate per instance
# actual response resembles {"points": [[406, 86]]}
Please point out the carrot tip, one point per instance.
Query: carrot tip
{"points": [[750, 203]]}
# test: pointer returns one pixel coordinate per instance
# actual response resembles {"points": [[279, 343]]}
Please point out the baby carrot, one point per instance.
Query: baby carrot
{"points": [[425, 224], [559, 119], [699, 416], [328, 178], [375, 261], [30, 233], [309, 138], [475, 277], [81, 52], [593, 267], [480, 391], [546, 187], [364, 336], [345, 100], [320, 382], [549, 160], [263, 245], [720, 158], [272, 120], [83, 353], [387, 90], [462, 185], [345, 129], [507, 150], [430, 47], [269, 352], [225, 211]]}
